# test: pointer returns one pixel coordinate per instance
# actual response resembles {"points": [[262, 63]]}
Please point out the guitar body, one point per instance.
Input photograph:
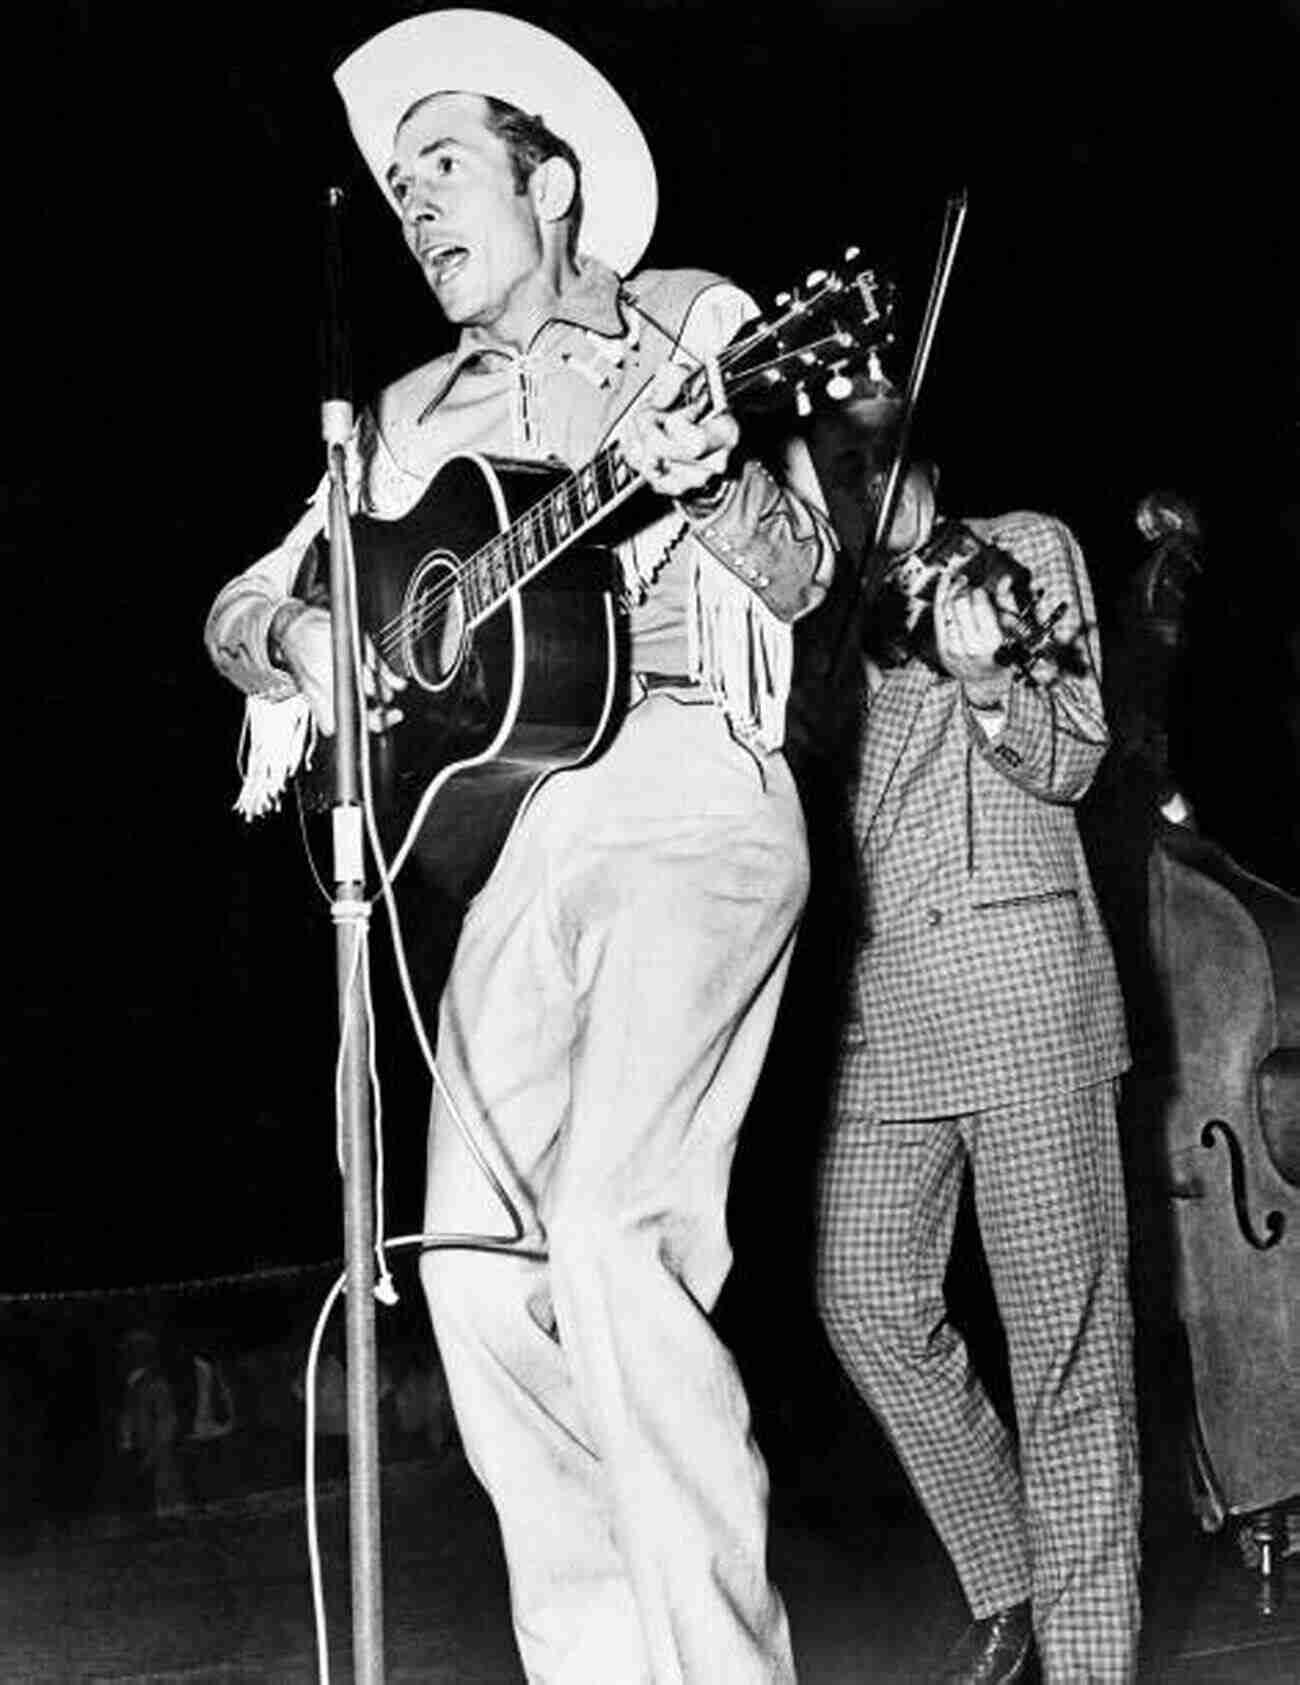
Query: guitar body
{"points": [[507, 628], [489, 710]]}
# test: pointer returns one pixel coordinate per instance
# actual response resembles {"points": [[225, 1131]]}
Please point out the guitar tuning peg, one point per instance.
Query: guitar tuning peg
{"points": [[783, 299], [802, 402], [851, 252], [816, 278], [838, 388]]}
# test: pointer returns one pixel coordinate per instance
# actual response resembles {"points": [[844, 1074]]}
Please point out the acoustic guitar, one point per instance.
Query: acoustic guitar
{"points": [[508, 627]]}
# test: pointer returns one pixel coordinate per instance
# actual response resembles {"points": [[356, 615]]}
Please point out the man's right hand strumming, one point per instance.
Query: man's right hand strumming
{"points": [[299, 641]]}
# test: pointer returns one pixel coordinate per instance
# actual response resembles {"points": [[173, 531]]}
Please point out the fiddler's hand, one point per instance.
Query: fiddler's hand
{"points": [[968, 635], [671, 439], [306, 651]]}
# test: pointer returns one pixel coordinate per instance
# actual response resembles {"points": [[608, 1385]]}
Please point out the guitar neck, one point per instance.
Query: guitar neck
{"points": [[546, 528], [833, 328]]}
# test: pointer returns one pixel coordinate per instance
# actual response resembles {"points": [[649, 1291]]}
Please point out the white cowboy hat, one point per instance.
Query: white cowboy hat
{"points": [[487, 53]]}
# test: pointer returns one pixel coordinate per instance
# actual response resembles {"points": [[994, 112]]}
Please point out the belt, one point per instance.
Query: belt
{"points": [[665, 681]]}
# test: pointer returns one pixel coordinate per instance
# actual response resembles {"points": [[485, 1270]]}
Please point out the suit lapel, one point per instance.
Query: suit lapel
{"points": [[890, 718]]}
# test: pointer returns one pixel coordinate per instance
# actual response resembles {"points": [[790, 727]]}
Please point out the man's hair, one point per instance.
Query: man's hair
{"points": [[529, 143], [1169, 511]]}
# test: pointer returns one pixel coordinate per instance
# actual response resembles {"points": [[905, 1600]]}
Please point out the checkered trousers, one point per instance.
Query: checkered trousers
{"points": [[1059, 1522]]}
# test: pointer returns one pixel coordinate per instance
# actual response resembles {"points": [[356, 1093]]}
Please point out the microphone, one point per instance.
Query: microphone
{"points": [[335, 353]]}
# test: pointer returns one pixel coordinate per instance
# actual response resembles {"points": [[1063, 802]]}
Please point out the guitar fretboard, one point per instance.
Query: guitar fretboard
{"points": [[545, 528], [823, 330]]}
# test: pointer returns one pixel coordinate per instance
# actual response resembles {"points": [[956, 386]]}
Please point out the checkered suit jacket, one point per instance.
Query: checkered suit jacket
{"points": [[984, 974]]}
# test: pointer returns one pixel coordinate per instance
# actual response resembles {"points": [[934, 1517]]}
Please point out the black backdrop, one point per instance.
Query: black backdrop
{"points": [[1121, 316]]}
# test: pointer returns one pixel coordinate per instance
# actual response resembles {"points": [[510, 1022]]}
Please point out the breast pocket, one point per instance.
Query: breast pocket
{"points": [[1026, 898], [1024, 851]]}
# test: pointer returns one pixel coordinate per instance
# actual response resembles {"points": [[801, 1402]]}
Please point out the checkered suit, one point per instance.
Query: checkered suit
{"points": [[988, 1029]]}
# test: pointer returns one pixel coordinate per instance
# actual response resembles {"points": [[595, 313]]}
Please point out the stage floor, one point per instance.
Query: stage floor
{"points": [[221, 1593]]}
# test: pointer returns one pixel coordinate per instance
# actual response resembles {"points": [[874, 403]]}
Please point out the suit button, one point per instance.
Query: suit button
{"points": [[934, 915]]}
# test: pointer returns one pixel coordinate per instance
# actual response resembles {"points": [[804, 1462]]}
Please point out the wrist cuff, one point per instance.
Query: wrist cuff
{"points": [[283, 618], [707, 499]]}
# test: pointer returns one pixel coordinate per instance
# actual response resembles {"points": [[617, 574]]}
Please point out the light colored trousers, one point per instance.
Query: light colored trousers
{"points": [[607, 1013]]}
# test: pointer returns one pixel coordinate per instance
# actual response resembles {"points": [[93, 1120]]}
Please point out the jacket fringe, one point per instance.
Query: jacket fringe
{"points": [[276, 739], [741, 653]]}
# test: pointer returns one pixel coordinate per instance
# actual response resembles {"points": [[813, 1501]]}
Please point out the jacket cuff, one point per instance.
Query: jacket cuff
{"points": [[767, 537], [246, 661], [1022, 749]]}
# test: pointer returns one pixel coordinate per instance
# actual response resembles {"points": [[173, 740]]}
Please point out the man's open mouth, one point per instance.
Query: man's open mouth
{"points": [[442, 262]]}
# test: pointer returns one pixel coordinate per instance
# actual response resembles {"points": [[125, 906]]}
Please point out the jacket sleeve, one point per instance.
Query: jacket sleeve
{"points": [[240, 617], [772, 534], [1054, 734]]}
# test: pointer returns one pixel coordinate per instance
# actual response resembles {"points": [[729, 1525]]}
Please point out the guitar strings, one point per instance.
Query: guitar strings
{"points": [[412, 624]]}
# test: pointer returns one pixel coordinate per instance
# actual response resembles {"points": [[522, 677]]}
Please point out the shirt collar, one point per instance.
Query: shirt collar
{"points": [[591, 301]]}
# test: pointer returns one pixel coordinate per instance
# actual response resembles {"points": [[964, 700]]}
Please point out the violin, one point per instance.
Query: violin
{"points": [[900, 623]]}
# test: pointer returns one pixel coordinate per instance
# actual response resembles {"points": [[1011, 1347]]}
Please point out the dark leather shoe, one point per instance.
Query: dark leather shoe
{"points": [[992, 1651]]}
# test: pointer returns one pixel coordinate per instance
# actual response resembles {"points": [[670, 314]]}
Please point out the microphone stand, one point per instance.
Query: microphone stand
{"points": [[351, 914]]}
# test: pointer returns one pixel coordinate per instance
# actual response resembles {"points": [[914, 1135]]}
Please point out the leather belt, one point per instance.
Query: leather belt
{"points": [[665, 681]]}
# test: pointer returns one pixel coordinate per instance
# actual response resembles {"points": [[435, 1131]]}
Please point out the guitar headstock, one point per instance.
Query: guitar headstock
{"points": [[837, 325]]}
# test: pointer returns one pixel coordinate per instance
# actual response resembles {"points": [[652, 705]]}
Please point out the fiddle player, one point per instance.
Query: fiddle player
{"points": [[616, 979], [986, 1035]]}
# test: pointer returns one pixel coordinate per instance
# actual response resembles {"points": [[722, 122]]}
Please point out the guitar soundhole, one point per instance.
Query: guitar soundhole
{"points": [[433, 644]]}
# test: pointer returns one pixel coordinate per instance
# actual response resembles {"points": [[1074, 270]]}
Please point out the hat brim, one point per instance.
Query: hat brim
{"points": [[465, 51]]}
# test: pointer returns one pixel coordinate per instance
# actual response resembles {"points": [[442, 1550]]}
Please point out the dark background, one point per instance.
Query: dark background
{"points": [[1121, 316]]}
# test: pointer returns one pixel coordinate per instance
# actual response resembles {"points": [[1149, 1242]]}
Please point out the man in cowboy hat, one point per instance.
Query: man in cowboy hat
{"points": [[616, 980]]}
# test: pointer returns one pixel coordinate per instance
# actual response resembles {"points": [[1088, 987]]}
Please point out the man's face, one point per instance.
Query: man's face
{"points": [[477, 240], [914, 511]]}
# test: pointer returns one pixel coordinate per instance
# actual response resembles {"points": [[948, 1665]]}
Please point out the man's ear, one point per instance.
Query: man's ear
{"points": [[551, 188]]}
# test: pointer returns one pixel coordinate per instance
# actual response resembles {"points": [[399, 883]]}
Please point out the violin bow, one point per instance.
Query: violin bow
{"points": [[949, 239]]}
